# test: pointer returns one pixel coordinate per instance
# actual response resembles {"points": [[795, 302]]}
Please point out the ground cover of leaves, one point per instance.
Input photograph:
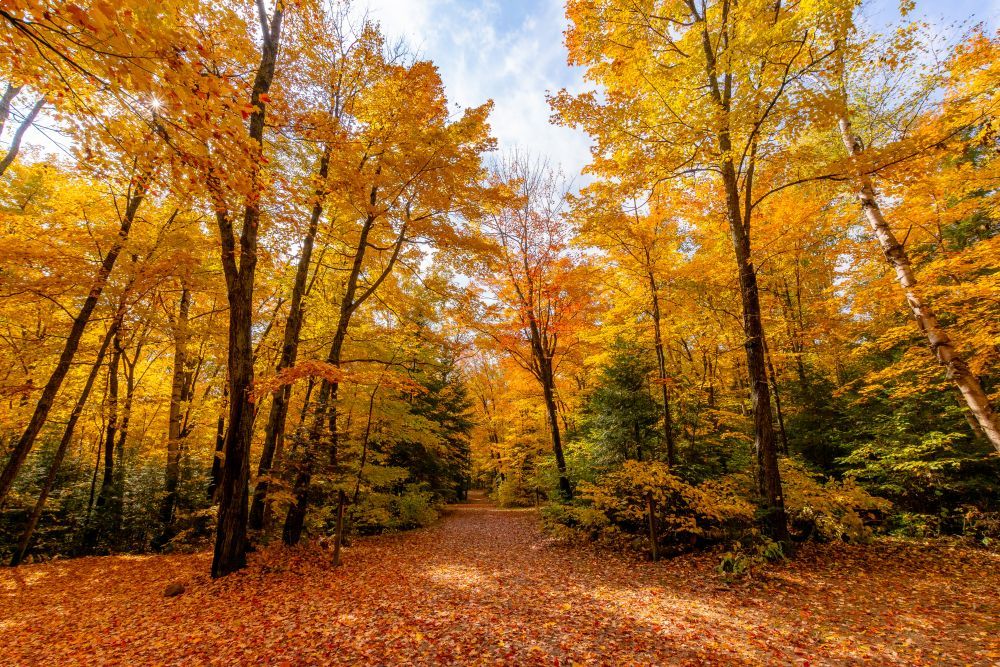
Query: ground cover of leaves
{"points": [[485, 587]]}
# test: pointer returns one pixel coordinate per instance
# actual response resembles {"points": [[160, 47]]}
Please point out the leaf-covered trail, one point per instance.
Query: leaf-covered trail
{"points": [[485, 587]]}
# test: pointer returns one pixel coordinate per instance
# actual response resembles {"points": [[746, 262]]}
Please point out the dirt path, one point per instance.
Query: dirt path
{"points": [[484, 586]]}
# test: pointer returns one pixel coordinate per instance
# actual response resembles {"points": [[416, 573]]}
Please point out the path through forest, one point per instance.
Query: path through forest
{"points": [[484, 586]]}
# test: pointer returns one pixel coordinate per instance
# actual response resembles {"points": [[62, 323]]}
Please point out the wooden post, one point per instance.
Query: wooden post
{"points": [[340, 528], [651, 507]]}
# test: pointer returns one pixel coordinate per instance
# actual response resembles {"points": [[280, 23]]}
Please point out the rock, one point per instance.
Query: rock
{"points": [[173, 590]]}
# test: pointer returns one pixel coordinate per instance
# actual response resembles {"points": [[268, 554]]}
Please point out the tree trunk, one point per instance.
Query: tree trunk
{"points": [[118, 497], [231, 529], [326, 403], [777, 399], [548, 384], [769, 480], [339, 531], [5, 102], [111, 432], [215, 477], [768, 475], [230, 545], [74, 417], [364, 443], [661, 364], [653, 538], [93, 485], [178, 385], [956, 367], [795, 332], [970, 419], [275, 430], [326, 410], [45, 401]]}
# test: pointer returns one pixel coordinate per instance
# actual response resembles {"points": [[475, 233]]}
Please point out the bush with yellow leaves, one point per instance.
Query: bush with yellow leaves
{"points": [[617, 506], [615, 509], [830, 510], [514, 491]]}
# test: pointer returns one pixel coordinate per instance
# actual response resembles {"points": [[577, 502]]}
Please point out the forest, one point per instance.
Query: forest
{"points": [[281, 321]]}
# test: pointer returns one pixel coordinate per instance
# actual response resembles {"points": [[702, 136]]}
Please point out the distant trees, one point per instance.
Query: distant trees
{"points": [[533, 298]]}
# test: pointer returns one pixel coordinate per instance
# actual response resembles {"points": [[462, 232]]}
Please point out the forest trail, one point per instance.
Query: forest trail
{"points": [[485, 586]]}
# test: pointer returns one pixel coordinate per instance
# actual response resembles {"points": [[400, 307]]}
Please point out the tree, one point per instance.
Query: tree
{"points": [[707, 92], [640, 245], [533, 285], [621, 414], [409, 168], [27, 119], [342, 61], [134, 195], [957, 368], [180, 393]]}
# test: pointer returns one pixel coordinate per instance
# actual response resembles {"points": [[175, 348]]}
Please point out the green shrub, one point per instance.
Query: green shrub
{"points": [[415, 509], [743, 560], [913, 524], [971, 522], [385, 512]]}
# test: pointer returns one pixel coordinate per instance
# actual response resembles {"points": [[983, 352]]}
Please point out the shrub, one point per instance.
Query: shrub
{"points": [[742, 560], [684, 513], [513, 492], [571, 521], [926, 471], [913, 524], [194, 530], [974, 524], [983, 527], [415, 509], [617, 507], [831, 510], [383, 512]]}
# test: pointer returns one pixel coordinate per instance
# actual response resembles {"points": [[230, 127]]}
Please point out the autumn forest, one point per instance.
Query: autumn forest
{"points": [[299, 364]]}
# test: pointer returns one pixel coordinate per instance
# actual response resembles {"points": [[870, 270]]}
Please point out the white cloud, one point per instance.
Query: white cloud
{"points": [[511, 52]]}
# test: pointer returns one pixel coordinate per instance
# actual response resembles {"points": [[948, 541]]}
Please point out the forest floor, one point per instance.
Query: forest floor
{"points": [[485, 587]]}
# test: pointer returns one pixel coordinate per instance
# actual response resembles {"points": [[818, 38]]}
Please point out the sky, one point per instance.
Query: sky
{"points": [[511, 51]]}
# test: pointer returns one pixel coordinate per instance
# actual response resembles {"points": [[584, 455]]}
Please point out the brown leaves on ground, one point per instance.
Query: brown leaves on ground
{"points": [[485, 587]]}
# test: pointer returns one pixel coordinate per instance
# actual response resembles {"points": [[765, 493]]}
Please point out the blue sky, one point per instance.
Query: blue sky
{"points": [[511, 51]]}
